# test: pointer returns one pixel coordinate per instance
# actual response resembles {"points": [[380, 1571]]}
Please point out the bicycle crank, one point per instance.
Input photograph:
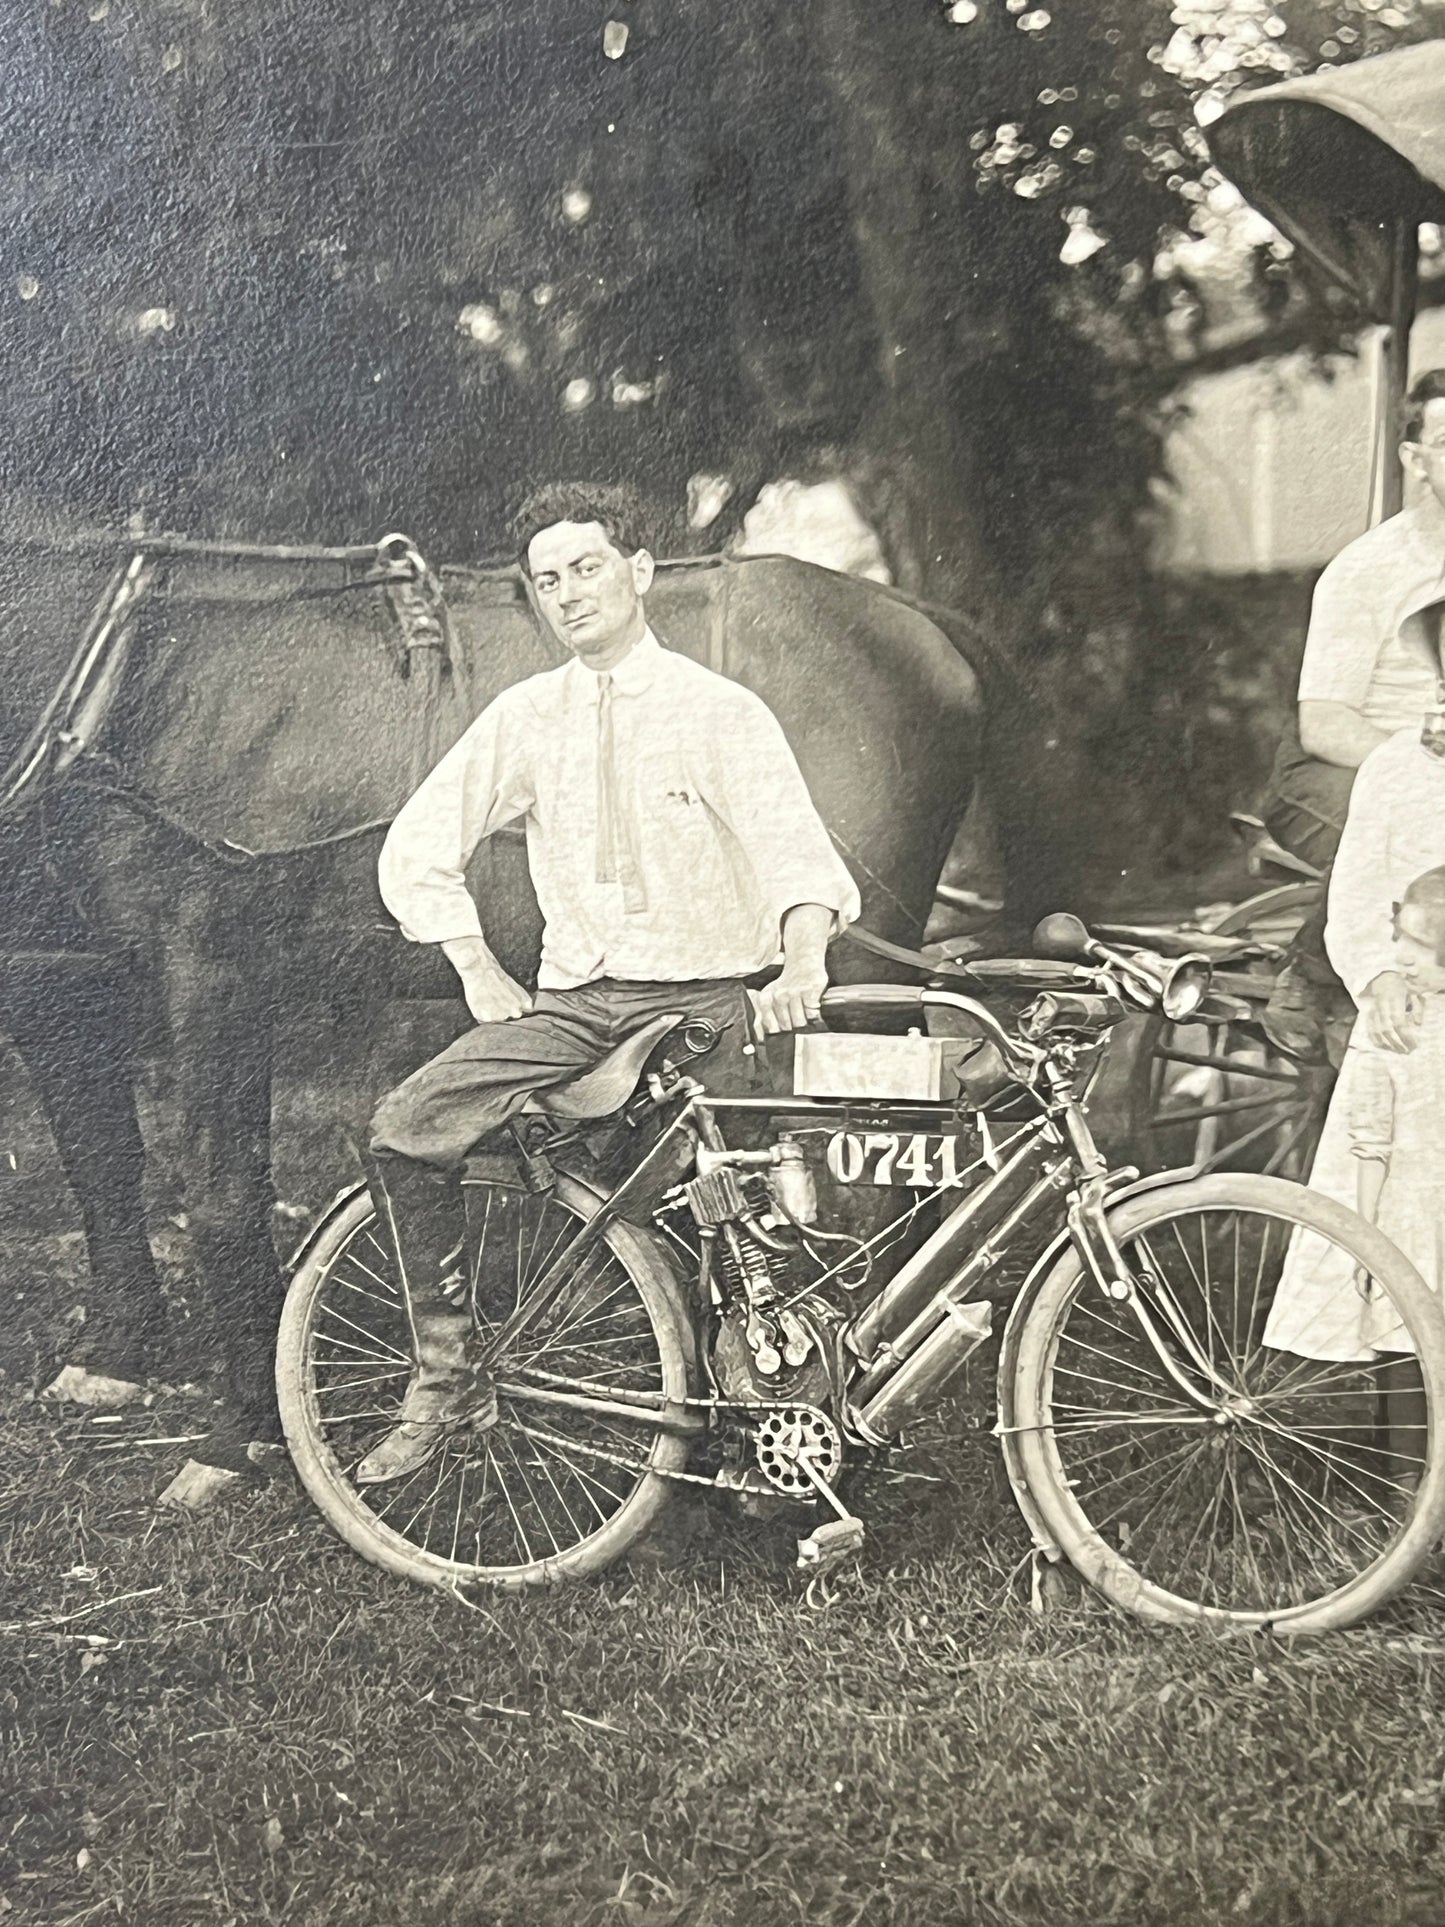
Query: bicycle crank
{"points": [[799, 1451]]}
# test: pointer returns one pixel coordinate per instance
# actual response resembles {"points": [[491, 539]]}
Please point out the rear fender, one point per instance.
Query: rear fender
{"points": [[1009, 1351], [672, 1285]]}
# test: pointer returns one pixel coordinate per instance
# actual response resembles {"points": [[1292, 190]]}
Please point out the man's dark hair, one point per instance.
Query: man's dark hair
{"points": [[615, 505], [1425, 388], [1426, 893]]}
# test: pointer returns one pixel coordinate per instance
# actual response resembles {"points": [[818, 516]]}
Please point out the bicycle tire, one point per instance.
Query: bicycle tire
{"points": [[1313, 1479], [649, 1324]]}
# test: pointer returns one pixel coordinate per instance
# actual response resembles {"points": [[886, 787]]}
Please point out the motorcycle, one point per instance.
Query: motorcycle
{"points": [[674, 1287]]}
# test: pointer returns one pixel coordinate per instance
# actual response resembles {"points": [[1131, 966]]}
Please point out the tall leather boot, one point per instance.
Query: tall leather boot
{"points": [[423, 1213]]}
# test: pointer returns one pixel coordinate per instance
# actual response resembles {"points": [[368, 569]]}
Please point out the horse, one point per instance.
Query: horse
{"points": [[68, 1003], [217, 776]]}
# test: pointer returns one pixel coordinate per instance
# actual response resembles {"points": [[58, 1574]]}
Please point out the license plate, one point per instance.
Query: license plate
{"points": [[923, 1160]]}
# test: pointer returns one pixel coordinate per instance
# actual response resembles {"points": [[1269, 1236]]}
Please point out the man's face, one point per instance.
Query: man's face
{"points": [[589, 593], [1425, 456]]}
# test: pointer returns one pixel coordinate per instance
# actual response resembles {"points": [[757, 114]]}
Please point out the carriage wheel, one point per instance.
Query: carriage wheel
{"points": [[559, 1487], [1213, 1476], [1219, 1096]]}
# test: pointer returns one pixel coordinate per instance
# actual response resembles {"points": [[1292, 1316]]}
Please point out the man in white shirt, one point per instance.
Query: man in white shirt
{"points": [[1371, 667], [675, 852]]}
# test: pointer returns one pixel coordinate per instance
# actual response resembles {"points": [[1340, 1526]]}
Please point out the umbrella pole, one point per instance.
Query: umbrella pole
{"points": [[1392, 374]]}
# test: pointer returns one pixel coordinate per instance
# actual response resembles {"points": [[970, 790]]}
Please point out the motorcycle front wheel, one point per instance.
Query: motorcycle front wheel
{"points": [[1221, 1450]]}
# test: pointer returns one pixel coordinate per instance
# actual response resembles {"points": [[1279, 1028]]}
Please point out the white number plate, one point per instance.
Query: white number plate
{"points": [[921, 1159]]}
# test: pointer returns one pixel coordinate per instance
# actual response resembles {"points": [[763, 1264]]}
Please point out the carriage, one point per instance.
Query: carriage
{"points": [[1347, 164]]}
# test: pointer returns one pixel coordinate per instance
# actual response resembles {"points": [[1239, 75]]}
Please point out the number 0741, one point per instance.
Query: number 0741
{"points": [[922, 1160]]}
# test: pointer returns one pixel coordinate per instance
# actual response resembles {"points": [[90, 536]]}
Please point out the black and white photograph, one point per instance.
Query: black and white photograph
{"points": [[722, 963]]}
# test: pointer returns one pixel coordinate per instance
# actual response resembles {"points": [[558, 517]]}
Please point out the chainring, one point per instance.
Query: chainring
{"points": [[784, 1438]]}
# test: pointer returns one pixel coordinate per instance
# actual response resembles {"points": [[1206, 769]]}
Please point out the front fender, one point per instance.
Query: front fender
{"points": [[1004, 1430]]}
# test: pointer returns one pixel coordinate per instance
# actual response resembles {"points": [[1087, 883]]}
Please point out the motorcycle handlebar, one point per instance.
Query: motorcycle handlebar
{"points": [[901, 999], [906, 1000]]}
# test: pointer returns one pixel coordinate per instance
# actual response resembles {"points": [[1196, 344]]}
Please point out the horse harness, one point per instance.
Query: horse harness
{"points": [[67, 733]]}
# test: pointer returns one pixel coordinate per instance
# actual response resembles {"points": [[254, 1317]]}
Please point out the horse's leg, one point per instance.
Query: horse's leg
{"points": [[73, 1028], [221, 1025]]}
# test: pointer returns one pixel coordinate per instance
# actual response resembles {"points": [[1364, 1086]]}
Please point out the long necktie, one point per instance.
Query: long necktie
{"points": [[616, 849]]}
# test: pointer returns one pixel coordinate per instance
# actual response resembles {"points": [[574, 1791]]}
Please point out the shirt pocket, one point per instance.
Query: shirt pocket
{"points": [[670, 806], [665, 787]]}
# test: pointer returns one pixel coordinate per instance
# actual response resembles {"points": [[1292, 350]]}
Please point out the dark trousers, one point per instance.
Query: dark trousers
{"points": [[1306, 813], [423, 1130]]}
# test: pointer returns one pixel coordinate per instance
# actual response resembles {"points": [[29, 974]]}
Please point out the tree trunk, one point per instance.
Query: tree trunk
{"points": [[880, 74]]}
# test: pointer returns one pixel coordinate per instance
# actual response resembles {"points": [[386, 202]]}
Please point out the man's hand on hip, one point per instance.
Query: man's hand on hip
{"points": [[492, 996], [1385, 1006]]}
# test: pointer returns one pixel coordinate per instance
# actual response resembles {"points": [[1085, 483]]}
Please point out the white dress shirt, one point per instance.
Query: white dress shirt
{"points": [[1368, 645], [722, 826], [1395, 832]]}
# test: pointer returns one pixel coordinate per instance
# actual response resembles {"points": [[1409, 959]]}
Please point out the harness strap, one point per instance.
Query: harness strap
{"points": [[935, 966], [717, 632], [73, 717], [414, 593]]}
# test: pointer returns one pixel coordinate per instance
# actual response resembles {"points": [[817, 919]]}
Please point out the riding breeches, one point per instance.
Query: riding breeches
{"points": [[423, 1130]]}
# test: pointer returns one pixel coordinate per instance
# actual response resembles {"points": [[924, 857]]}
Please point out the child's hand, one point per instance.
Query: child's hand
{"points": [[1391, 1021]]}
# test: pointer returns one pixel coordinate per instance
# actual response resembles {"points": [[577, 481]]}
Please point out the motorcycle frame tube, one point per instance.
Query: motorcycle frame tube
{"points": [[934, 1265], [1042, 1199], [979, 1212]]}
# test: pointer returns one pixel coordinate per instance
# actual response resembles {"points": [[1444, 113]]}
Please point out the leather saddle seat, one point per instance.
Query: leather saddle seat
{"points": [[609, 1083]]}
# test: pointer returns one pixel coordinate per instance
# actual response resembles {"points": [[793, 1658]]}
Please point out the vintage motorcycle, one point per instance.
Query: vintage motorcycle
{"points": [[678, 1288]]}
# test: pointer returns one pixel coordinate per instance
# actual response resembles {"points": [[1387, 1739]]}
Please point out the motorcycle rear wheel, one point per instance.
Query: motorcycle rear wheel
{"points": [[553, 1491]]}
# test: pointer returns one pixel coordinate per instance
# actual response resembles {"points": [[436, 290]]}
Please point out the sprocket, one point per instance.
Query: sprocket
{"points": [[784, 1438]]}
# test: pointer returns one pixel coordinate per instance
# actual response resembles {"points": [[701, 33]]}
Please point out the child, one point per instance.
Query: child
{"points": [[1382, 1151]]}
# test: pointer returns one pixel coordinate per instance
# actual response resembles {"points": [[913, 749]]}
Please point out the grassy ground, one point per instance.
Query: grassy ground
{"points": [[234, 1720]]}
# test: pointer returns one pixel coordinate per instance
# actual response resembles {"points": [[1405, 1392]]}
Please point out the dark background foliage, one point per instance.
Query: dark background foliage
{"points": [[314, 269]]}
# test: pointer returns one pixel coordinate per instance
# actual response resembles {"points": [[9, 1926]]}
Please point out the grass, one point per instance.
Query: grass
{"points": [[233, 1720], [267, 1729]]}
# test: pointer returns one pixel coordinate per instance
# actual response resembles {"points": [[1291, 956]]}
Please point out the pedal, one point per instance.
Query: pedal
{"points": [[829, 1543], [835, 1539]]}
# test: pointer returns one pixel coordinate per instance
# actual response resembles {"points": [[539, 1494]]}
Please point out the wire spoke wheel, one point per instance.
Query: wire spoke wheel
{"points": [[1220, 1097], [1214, 1470], [569, 1476]]}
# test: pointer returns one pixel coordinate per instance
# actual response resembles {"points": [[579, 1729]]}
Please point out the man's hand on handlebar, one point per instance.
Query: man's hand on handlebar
{"points": [[1389, 1019], [790, 1002]]}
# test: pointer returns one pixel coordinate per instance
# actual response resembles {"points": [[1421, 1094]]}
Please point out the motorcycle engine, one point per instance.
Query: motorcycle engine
{"points": [[738, 1373]]}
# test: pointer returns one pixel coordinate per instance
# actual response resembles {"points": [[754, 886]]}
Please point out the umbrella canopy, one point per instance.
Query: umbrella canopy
{"points": [[1339, 160]]}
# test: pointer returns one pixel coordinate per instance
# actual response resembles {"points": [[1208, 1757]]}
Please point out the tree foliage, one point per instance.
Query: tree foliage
{"points": [[317, 267]]}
